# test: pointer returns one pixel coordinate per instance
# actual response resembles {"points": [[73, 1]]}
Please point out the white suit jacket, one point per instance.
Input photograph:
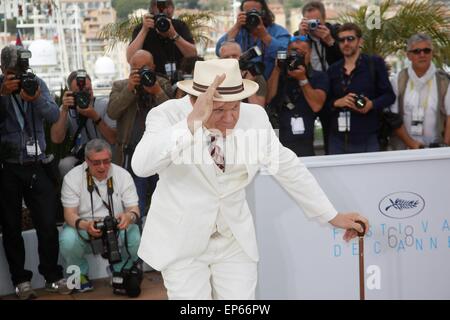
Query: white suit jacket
{"points": [[187, 198]]}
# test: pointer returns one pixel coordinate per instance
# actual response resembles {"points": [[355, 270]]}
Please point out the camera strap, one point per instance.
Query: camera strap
{"points": [[26, 125], [81, 124], [347, 80], [91, 186], [320, 55]]}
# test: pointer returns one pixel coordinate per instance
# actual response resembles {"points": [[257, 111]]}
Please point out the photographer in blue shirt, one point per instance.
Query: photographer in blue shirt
{"points": [[300, 92], [360, 90], [255, 27]]}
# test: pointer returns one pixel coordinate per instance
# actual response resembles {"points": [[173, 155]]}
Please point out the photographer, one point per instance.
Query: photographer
{"points": [[84, 116], [325, 49], [93, 193], [423, 98], [129, 102], [300, 94], [26, 103], [360, 91], [250, 70], [167, 39], [255, 27]]}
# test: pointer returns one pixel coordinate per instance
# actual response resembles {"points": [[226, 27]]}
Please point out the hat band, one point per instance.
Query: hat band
{"points": [[221, 90]]}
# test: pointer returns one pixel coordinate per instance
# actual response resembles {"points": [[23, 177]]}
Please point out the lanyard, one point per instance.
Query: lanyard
{"points": [[346, 81], [321, 56]]}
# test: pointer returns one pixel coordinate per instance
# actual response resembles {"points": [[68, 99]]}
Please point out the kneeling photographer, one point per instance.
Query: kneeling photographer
{"points": [[84, 116], [296, 100], [101, 211], [250, 69]]}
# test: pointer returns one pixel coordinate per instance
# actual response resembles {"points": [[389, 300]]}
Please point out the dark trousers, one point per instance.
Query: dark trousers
{"points": [[341, 143], [32, 183], [301, 147]]}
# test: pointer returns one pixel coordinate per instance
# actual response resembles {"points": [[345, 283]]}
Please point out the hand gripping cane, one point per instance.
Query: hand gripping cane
{"points": [[361, 260]]}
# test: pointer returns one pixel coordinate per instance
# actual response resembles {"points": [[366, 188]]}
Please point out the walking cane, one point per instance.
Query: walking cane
{"points": [[361, 261]]}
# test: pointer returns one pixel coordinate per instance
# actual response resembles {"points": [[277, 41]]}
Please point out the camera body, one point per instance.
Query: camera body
{"points": [[107, 245], [28, 81], [254, 67], [252, 19], [128, 281], [83, 96], [294, 60], [148, 77], [313, 24], [162, 22], [360, 101]]}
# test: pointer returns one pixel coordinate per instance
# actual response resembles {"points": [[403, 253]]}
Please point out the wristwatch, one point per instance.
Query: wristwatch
{"points": [[303, 82], [175, 37], [96, 122]]}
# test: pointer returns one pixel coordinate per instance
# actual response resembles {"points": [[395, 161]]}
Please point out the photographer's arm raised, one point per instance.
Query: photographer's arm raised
{"points": [[138, 42], [187, 49], [59, 128]]}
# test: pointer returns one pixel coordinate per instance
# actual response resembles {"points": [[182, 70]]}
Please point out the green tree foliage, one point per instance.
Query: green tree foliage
{"points": [[125, 7], [122, 31], [399, 22]]}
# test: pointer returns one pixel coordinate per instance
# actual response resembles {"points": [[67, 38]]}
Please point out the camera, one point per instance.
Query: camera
{"points": [[83, 96], [107, 245], [252, 19], [294, 60], [148, 77], [313, 24], [28, 81], [245, 63], [162, 22], [128, 281], [360, 101]]}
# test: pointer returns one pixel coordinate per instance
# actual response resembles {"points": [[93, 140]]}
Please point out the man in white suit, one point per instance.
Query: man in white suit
{"points": [[206, 148]]}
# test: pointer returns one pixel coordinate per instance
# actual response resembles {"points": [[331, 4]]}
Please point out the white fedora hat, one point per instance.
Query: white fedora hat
{"points": [[233, 88]]}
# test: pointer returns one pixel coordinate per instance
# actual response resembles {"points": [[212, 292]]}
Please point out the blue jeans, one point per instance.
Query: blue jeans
{"points": [[339, 144], [73, 249]]}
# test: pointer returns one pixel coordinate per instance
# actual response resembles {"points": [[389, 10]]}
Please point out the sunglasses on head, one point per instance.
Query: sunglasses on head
{"points": [[347, 38], [418, 51], [299, 38]]}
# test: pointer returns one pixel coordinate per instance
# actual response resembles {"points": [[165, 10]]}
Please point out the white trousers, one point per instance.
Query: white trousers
{"points": [[224, 272]]}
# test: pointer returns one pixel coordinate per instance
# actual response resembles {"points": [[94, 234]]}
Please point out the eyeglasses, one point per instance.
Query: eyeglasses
{"points": [[299, 38], [418, 51], [348, 38], [97, 163]]}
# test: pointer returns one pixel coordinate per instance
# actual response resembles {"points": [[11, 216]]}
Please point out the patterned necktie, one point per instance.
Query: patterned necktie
{"points": [[216, 153]]}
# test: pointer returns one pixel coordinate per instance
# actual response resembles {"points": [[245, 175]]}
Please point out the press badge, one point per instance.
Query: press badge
{"points": [[297, 125], [418, 116], [170, 68], [31, 148], [344, 121]]}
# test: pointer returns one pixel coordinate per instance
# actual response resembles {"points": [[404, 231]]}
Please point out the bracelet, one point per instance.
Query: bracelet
{"points": [[175, 37], [96, 122], [135, 215], [77, 223], [303, 82]]}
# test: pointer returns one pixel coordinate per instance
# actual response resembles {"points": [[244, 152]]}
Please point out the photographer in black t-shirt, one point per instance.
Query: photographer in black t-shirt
{"points": [[167, 39]]}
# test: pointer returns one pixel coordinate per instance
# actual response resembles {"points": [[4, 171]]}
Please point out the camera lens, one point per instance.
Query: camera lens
{"points": [[360, 102], [313, 24], [148, 77], [252, 19], [162, 23]]}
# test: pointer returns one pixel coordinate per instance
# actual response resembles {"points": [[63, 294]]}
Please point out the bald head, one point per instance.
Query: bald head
{"points": [[142, 58], [230, 49]]}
